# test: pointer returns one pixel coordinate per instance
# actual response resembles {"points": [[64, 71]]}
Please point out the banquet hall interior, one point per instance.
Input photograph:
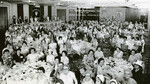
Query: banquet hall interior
{"points": [[74, 41]]}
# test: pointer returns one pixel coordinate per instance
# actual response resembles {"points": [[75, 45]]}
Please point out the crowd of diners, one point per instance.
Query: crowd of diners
{"points": [[52, 41]]}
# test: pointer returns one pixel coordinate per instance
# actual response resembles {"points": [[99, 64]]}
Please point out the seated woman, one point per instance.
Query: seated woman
{"points": [[33, 56], [87, 79], [133, 57], [29, 39], [60, 43], [98, 54], [138, 55], [7, 58], [10, 48], [94, 42], [42, 56], [85, 38], [53, 46], [24, 49], [100, 70], [67, 76], [138, 43], [128, 77], [137, 71], [50, 57], [130, 42], [18, 57], [118, 53], [113, 81], [91, 55], [41, 78], [85, 58], [142, 43], [64, 59], [100, 79]]}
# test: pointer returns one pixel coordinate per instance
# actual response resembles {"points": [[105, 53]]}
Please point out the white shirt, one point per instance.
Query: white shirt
{"points": [[68, 78], [118, 54], [65, 59], [50, 58], [33, 57], [99, 54]]}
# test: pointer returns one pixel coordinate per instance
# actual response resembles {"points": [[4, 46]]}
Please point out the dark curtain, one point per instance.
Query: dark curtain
{"points": [[78, 13], [40, 10], [20, 10], [30, 11], [42, 13], [3, 17], [3, 27], [50, 12]]}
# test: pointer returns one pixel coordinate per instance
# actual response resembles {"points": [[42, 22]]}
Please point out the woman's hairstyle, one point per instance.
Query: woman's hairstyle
{"points": [[128, 71], [108, 75], [98, 47], [118, 48], [59, 37], [32, 49], [99, 60], [132, 50], [57, 58], [6, 50], [67, 66], [65, 52], [8, 44], [18, 49], [90, 51], [24, 42], [61, 63], [42, 69]]}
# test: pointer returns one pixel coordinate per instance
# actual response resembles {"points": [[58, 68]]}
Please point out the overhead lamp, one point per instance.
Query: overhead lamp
{"points": [[2, 2]]}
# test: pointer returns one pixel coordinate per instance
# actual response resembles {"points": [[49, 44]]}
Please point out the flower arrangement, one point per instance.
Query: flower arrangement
{"points": [[116, 66]]}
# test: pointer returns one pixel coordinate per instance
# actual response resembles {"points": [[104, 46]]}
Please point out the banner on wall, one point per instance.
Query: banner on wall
{"points": [[118, 15], [36, 12]]}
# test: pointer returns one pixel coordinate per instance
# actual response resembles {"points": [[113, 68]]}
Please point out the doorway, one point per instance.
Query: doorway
{"points": [[3, 27], [3, 18], [61, 14]]}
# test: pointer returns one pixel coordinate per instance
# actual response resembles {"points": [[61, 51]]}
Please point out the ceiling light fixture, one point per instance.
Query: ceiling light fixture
{"points": [[2, 2]]}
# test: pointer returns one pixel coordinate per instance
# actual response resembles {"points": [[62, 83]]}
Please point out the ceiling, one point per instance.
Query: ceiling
{"points": [[86, 3]]}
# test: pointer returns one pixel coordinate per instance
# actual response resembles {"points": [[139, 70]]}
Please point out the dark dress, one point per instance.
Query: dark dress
{"points": [[137, 76], [14, 21], [18, 58]]}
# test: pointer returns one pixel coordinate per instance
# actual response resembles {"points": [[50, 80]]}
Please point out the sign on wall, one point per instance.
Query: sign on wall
{"points": [[36, 11], [118, 15]]}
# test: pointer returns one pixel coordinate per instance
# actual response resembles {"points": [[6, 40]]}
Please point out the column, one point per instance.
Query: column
{"points": [[45, 11], [14, 10], [54, 12], [79, 14], [67, 14], [26, 10]]}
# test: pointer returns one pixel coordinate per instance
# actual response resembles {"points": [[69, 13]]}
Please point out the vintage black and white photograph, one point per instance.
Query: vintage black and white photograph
{"points": [[74, 41]]}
